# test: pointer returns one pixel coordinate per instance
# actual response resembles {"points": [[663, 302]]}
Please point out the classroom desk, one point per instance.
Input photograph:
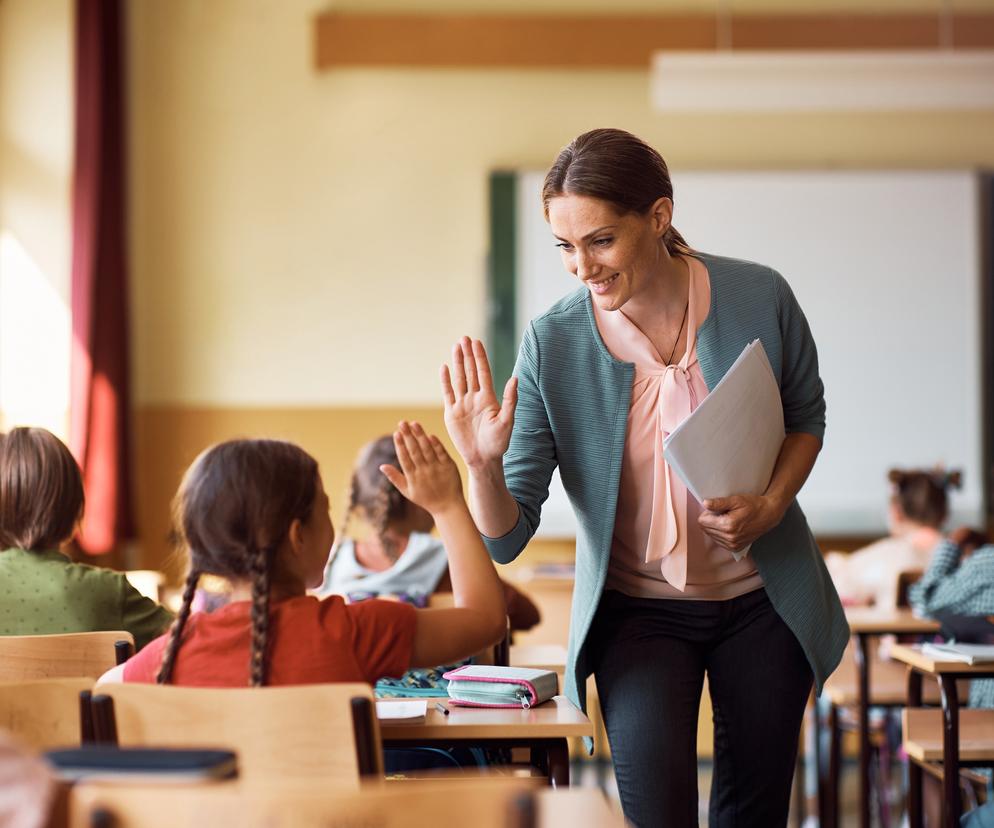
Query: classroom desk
{"points": [[544, 729], [282, 805], [866, 623], [978, 750]]}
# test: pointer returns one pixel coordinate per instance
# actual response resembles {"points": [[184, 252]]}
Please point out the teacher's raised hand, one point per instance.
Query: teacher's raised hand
{"points": [[479, 425]]}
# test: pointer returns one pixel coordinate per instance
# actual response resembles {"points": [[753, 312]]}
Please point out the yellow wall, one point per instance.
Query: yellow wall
{"points": [[320, 239], [36, 113]]}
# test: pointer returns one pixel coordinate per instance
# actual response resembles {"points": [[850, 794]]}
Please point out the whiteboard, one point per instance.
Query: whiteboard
{"points": [[886, 266]]}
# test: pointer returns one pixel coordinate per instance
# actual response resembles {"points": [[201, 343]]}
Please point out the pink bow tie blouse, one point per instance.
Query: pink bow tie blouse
{"points": [[658, 550]]}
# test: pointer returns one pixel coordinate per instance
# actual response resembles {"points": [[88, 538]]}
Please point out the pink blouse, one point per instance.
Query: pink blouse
{"points": [[658, 549]]}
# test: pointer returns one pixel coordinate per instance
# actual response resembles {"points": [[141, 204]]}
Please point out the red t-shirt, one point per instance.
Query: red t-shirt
{"points": [[311, 641]]}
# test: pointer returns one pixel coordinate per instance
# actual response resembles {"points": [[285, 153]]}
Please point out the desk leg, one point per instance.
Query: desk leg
{"points": [[915, 817], [950, 751], [557, 761], [819, 761], [863, 668], [834, 764]]}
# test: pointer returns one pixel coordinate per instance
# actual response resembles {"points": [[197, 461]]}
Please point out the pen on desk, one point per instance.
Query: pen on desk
{"points": [[441, 708]]}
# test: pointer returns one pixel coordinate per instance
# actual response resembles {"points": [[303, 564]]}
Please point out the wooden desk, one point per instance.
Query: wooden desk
{"points": [[952, 755], [544, 729], [866, 623], [485, 801]]}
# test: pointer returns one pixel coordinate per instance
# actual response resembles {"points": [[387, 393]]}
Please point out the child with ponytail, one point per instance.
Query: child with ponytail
{"points": [[398, 557], [255, 513]]}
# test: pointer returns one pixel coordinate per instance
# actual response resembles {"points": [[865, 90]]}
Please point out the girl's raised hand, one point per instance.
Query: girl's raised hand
{"points": [[427, 475], [479, 426]]}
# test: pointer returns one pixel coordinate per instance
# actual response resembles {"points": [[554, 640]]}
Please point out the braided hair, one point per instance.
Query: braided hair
{"points": [[374, 497], [922, 494], [233, 512]]}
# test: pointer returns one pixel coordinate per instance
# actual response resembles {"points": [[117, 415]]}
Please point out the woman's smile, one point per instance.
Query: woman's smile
{"points": [[602, 285]]}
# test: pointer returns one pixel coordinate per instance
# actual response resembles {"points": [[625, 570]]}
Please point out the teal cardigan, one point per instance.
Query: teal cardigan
{"points": [[573, 400]]}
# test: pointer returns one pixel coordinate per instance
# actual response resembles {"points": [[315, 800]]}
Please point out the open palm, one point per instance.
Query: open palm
{"points": [[479, 425]]}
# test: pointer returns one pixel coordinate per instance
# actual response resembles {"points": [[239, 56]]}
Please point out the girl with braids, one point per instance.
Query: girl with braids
{"points": [[919, 505], [399, 557], [255, 512]]}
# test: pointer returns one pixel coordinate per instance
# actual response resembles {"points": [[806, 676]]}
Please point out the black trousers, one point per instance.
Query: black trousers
{"points": [[649, 658]]}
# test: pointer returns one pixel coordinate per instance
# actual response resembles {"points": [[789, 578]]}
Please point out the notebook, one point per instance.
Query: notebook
{"points": [[413, 710], [140, 764], [967, 653]]}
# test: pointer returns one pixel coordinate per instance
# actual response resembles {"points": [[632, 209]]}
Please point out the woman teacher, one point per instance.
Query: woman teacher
{"points": [[659, 601]]}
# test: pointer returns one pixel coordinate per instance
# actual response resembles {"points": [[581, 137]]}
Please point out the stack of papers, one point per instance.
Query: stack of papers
{"points": [[402, 711], [729, 445], [967, 653]]}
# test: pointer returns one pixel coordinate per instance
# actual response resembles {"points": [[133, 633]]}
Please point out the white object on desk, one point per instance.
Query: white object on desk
{"points": [[967, 653], [402, 711]]}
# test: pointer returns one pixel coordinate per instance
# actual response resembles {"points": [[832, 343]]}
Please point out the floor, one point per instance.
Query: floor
{"points": [[598, 773]]}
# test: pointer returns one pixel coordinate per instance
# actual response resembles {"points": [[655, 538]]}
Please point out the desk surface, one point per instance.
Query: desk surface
{"points": [[558, 718], [290, 804], [883, 622], [912, 654]]}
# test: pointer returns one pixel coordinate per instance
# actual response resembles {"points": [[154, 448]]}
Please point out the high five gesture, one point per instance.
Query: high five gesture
{"points": [[479, 426]]}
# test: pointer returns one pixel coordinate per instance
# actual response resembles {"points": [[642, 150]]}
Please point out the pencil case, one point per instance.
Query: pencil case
{"points": [[483, 685]]}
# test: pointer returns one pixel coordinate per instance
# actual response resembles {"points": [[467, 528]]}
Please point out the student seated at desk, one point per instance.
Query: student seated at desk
{"points": [[255, 512], [960, 581], [41, 504], [918, 508], [400, 557]]}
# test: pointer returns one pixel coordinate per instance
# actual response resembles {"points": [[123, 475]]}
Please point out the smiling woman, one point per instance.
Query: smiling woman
{"points": [[602, 378]]}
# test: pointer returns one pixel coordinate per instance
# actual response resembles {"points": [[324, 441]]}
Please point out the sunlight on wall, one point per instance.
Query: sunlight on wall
{"points": [[34, 344]]}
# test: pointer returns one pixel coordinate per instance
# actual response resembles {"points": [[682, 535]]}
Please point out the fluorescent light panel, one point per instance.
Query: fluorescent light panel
{"points": [[759, 81]]}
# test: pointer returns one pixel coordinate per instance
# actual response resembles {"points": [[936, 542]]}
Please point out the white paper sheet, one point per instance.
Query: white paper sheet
{"points": [[730, 443], [408, 711]]}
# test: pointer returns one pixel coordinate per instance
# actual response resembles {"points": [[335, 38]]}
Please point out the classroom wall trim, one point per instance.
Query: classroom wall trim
{"points": [[613, 41]]}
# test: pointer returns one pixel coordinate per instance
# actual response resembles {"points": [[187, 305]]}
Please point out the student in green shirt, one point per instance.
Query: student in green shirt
{"points": [[41, 591]]}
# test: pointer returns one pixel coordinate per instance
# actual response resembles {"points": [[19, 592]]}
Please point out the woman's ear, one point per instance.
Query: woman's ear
{"points": [[661, 215]]}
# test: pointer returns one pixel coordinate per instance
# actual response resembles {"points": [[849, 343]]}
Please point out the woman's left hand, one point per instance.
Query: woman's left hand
{"points": [[735, 522]]}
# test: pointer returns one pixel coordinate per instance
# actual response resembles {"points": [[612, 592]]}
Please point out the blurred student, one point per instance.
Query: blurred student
{"points": [[255, 512], [41, 504], [919, 506], [400, 557], [960, 582]]}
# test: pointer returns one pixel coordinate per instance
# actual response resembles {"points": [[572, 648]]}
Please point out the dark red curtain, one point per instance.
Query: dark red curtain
{"points": [[100, 405]]}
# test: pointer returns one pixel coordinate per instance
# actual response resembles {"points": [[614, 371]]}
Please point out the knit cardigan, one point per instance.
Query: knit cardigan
{"points": [[572, 412]]}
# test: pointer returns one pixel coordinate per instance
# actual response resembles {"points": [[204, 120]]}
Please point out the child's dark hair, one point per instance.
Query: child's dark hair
{"points": [[41, 490], [379, 502], [921, 494], [233, 511]]}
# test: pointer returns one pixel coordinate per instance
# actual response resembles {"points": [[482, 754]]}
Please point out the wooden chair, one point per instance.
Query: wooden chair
{"points": [[46, 713], [66, 655], [488, 803], [315, 732]]}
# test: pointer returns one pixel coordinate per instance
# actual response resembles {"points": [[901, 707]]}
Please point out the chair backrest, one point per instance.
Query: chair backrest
{"points": [[904, 581], [45, 713], [67, 655], [317, 732], [487, 803]]}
